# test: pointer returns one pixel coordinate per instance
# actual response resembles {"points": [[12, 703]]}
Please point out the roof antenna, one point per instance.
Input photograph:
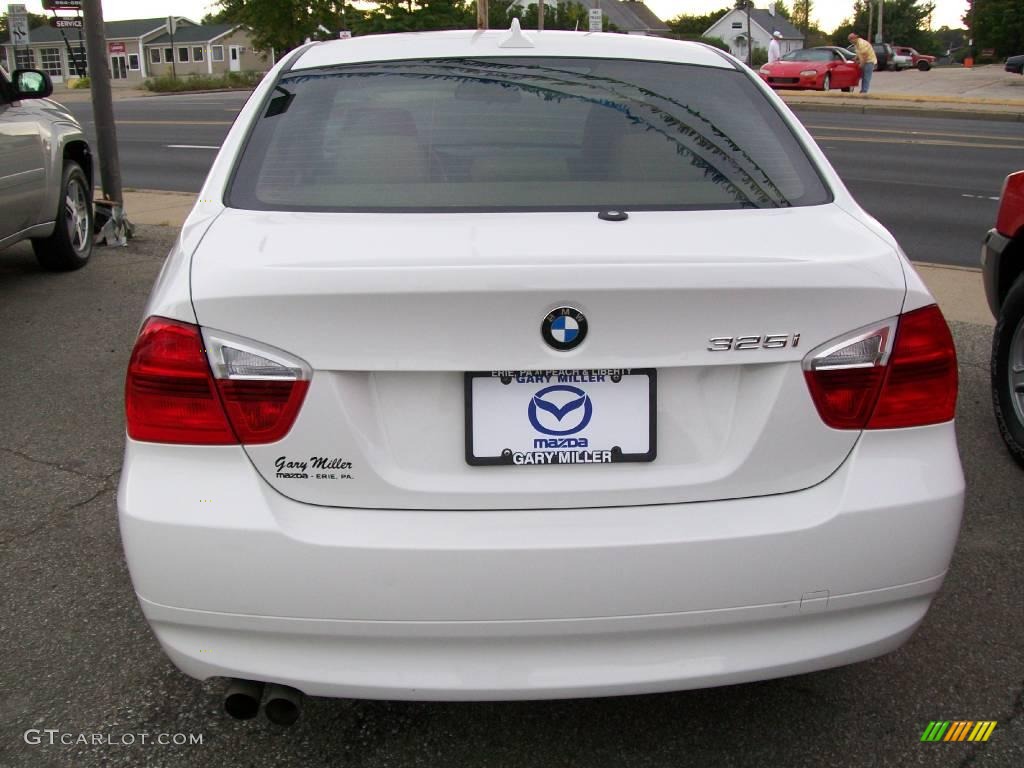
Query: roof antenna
{"points": [[516, 38]]}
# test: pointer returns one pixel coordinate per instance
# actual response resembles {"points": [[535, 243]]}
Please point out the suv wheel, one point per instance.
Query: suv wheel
{"points": [[1008, 371], [924, 66], [70, 245]]}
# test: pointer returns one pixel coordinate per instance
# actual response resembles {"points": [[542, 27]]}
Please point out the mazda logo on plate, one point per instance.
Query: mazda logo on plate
{"points": [[564, 328], [560, 410]]}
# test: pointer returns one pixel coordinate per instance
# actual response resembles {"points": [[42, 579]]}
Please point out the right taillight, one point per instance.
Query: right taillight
{"points": [[897, 373], [201, 387]]}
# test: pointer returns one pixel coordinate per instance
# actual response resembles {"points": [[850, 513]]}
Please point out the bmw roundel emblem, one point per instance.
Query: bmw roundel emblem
{"points": [[564, 328]]}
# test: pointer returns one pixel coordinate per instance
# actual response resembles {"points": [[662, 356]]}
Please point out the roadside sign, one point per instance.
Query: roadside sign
{"points": [[17, 23], [62, 5], [345, 34], [59, 22], [988, 53], [596, 17]]}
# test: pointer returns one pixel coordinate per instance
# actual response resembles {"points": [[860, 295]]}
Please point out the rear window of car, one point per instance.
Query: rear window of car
{"points": [[506, 134]]}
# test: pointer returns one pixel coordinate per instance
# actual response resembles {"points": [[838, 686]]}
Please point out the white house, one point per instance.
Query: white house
{"points": [[732, 28]]}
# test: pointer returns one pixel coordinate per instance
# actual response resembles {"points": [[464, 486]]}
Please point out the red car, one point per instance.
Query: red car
{"points": [[920, 60], [819, 69], [1002, 262]]}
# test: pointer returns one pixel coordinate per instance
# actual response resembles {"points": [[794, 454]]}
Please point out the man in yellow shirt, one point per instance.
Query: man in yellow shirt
{"points": [[866, 58]]}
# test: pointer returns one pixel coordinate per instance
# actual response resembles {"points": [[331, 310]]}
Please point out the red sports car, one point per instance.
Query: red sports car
{"points": [[820, 69]]}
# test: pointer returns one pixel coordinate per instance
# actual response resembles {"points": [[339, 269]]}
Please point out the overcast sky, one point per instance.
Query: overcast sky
{"points": [[828, 13]]}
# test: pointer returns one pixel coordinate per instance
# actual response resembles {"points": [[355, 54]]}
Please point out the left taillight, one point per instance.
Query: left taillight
{"points": [[196, 386]]}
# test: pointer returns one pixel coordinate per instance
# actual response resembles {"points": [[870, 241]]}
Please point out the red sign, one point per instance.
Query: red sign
{"points": [[116, 47]]}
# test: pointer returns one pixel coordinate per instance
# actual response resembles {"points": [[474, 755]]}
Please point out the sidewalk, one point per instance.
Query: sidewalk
{"points": [[957, 289], [987, 92]]}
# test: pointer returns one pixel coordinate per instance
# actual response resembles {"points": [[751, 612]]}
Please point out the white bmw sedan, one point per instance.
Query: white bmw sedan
{"points": [[512, 365]]}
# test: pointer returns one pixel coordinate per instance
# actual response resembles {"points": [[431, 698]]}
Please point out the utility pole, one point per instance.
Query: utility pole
{"points": [[116, 228], [481, 14], [871, 11], [750, 41], [172, 26], [881, 13], [540, 15]]}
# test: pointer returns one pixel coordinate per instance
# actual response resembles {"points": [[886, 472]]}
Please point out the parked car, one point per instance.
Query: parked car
{"points": [[900, 60], [1002, 260], [45, 173], [819, 69], [1015, 64], [922, 61], [884, 53], [432, 400]]}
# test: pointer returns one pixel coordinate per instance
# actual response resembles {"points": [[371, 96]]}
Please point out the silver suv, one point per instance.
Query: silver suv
{"points": [[45, 173]]}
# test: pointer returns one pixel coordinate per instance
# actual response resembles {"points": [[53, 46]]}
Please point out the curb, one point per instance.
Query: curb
{"points": [[149, 94], [866, 109]]}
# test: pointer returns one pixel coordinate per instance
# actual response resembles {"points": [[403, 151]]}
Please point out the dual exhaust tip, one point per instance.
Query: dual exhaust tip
{"points": [[242, 701]]}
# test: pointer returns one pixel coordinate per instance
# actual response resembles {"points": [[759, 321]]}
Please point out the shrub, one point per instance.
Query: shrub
{"points": [[79, 82], [196, 82], [715, 42]]}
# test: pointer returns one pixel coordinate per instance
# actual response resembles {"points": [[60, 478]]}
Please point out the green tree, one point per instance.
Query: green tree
{"points": [[695, 24], [801, 17], [421, 16], [905, 22], [284, 24], [997, 24], [557, 15]]}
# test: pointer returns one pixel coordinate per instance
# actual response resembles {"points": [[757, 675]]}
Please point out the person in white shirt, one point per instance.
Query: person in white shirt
{"points": [[774, 49]]}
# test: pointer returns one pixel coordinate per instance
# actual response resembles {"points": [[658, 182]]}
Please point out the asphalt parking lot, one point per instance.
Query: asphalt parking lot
{"points": [[79, 660]]}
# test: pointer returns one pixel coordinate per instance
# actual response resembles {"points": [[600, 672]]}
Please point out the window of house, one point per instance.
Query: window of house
{"points": [[217, 51], [133, 61], [183, 55], [169, 55], [50, 62], [197, 53], [154, 55], [23, 59]]}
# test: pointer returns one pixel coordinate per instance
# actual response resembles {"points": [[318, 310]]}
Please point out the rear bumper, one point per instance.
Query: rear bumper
{"points": [[536, 603], [991, 263]]}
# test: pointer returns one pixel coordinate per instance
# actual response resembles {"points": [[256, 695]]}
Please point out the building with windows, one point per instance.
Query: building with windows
{"points": [[212, 49], [732, 28], [140, 48]]}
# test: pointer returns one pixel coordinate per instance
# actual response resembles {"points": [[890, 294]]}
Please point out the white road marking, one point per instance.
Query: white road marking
{"points": [[189, 146], [982, 197]]}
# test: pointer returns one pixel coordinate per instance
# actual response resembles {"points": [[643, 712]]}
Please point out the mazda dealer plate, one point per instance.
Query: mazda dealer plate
{"points": [[599, 416]]}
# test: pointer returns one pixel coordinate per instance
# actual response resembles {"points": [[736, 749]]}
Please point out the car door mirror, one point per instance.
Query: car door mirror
{"points": [[31, 84]]}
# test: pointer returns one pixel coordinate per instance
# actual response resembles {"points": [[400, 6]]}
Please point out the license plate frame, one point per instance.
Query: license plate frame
{"points": [[617, 455]]}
